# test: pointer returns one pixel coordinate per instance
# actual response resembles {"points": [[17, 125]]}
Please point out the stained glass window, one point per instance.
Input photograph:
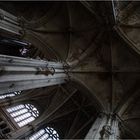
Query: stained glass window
{"points": [[47, 133], [23, 113], [10, 94]]}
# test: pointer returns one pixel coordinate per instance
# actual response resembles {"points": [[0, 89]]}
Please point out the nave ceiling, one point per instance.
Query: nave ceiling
{"points": [[98, 40]]}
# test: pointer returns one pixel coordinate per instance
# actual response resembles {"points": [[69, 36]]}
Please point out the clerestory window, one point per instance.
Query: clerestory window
{"points": [[23, 113], [47, 133], [3, 96]]}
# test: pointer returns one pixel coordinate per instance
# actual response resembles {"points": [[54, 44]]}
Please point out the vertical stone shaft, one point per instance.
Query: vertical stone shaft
{"points": [[17, 74], [104, 128]]}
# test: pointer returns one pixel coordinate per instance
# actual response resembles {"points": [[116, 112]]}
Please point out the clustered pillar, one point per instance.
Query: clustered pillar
{"points": [[17, 74], [106, 127]]}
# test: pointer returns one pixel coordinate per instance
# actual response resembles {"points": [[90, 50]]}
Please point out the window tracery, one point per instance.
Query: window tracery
{"points": [[23, 113], [3, 96], [47, 133]]}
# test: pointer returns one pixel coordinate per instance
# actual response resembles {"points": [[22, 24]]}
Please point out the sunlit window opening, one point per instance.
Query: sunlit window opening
{"points": [[3, 96], [45, 134], [23, 113]]}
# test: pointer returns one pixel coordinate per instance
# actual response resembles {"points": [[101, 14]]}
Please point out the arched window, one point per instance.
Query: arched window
{"points": [[10, 94], [23, 113], [47, 133]]}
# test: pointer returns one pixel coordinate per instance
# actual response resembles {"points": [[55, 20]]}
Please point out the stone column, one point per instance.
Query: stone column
{"points": [[10, 24], [17, 74], [104, 128]]}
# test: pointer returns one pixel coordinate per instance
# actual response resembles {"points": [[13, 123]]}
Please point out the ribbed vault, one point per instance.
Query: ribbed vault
{"points": [[100, 43]]}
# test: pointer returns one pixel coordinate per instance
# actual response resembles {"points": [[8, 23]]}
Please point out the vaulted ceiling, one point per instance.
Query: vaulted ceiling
{"points": [[101, 43]]}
